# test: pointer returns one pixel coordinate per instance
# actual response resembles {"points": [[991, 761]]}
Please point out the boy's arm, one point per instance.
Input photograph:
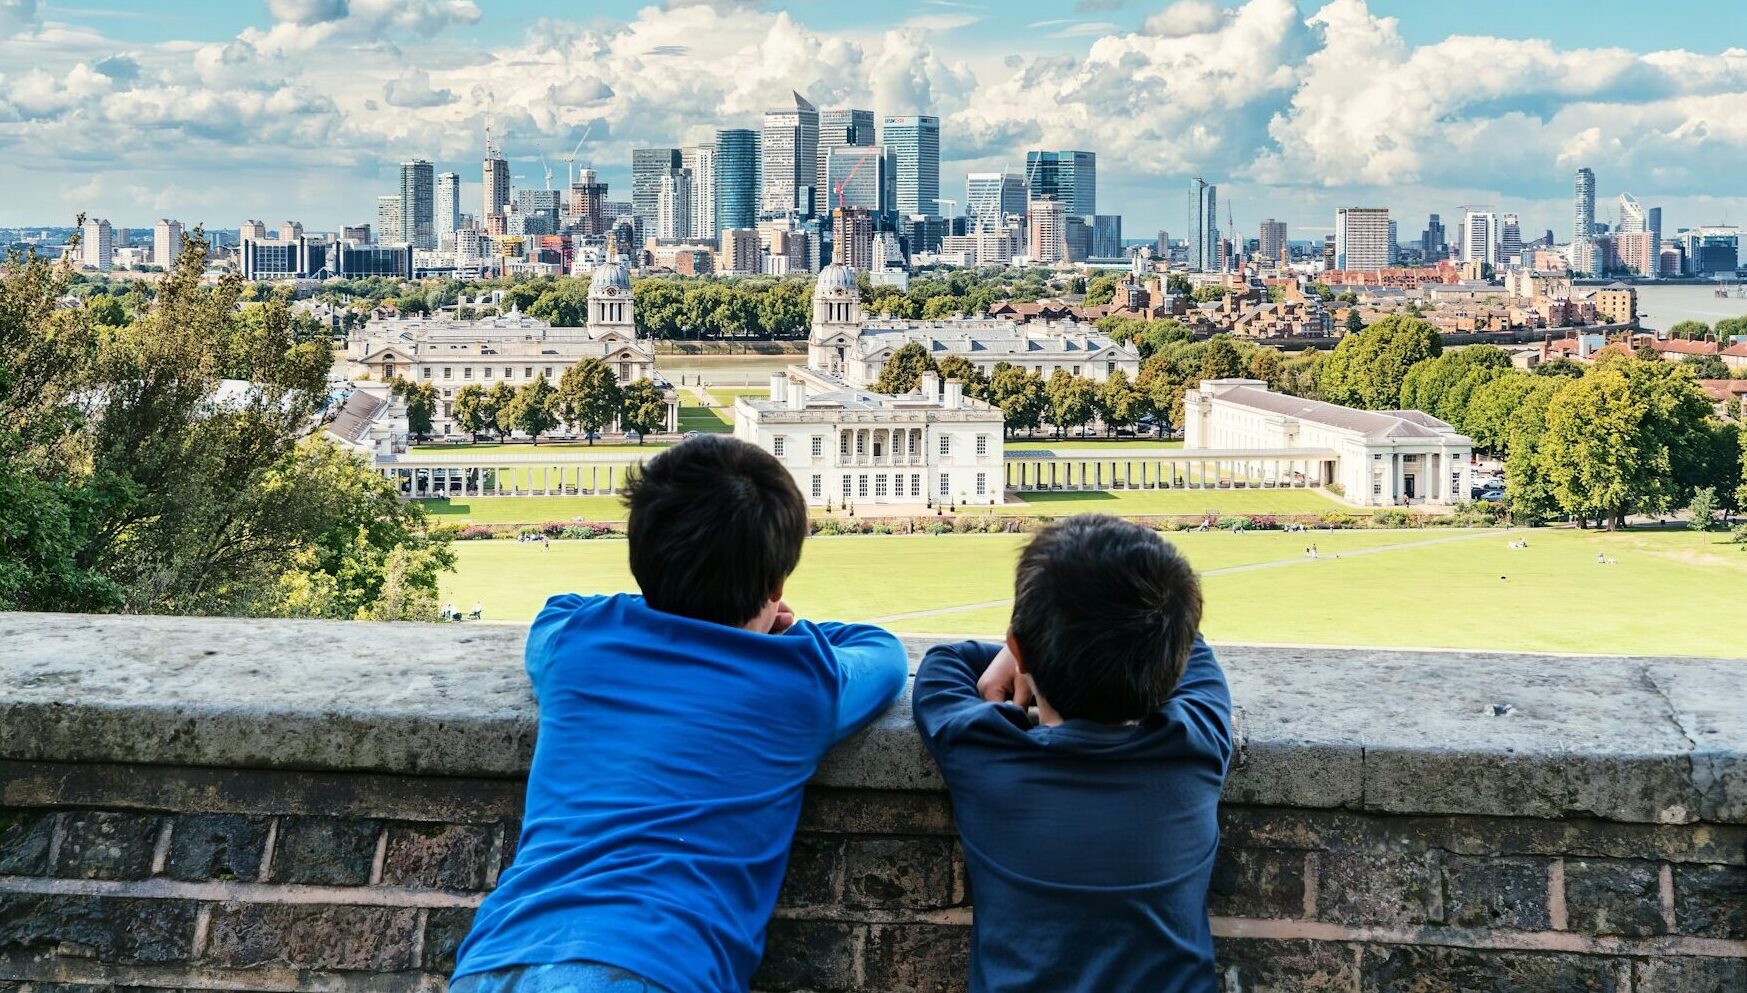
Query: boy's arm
{"points": [[872, 667], [946, 685], [1204, 699]]}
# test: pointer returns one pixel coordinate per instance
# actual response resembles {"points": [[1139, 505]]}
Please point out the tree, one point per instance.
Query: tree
{"points": [[1101, 290], [1706, 366], [1070, 400], [1690, 330], [941, 306], [1177, 284], [1120, 403], [1354, 323], [1020, 395], [1208, 294], [1367, 369], [472, 410], [642, 408], [904, 369], [589, 396], [533, 410], [1493, 403], [1220, 360], [421, 405], [976, 384], [1703, 508], [1568, 368], [498, 397], [1443, 386], [1269, 366]]}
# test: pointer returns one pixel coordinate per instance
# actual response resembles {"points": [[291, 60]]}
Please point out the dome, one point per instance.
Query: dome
{"points": [[612, 275], [835, 279]]}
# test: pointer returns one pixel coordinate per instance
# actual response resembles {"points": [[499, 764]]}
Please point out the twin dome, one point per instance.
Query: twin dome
{"points": [[835, 279]]}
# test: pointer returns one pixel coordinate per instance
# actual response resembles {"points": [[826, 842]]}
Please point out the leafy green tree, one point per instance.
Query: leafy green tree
{"points": [[106, 310], [1120, 403], [499, 396], [1020, 395], [564, 305], [1367, 369], [1531, 493], [1690, 330], [1071, 400], [1703, 509], [421, 405], [660, 310], [1354, 323], [1731, 327], [1706, 366], [589, 396], [1208, 294], [1177, 284], [1492, 404], [1444, 385], [534, 409], [642, 408], [472, 410], [976, 384], [942, 306], [1269, 366], [1568, 368], [904, 369], [1101, 290], [1220, 360]]}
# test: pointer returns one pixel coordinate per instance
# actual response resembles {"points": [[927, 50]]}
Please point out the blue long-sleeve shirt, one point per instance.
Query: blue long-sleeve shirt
{"points": [[1089, 846], [666, 784]]}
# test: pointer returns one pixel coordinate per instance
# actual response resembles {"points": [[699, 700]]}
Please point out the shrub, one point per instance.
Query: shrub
{"points": [[475, 532], [1393, 519], [938, 527], [1338, 489], [1340, 521]]}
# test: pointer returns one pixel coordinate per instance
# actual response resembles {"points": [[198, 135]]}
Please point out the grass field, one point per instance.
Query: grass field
{"points": [[525, 510], [1670, 593], [1111, 445], [486, 450], [710, 420]]}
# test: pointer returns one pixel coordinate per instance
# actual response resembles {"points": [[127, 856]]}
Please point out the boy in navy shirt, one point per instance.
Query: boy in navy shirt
{"points": [[677, 730], [1089, 836]]}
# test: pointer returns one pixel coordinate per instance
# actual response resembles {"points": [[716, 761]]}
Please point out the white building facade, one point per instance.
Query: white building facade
{"points": [[848, 447], [1379, 458]]}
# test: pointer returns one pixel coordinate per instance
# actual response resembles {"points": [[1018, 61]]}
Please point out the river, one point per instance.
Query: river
{"points": [[1662, 307]]}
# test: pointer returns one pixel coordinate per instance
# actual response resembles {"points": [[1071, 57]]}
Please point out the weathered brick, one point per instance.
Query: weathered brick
{"points": [[25, 837], [1421, 969], [445, 929], [111, 929], [1711, 900], [813, 873], [914, 873], [1381, 889], [1685, 974], [1613, 897], [810, 955], [918, 958], [1253, 965], [1496, 892], [371, 939], [440, 856], [1252, 882], [104, 845], [217, 846], [329, 851], [843, 811]]}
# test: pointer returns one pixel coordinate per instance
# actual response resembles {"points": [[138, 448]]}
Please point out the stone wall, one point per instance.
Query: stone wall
{"points": [[212, 804]]}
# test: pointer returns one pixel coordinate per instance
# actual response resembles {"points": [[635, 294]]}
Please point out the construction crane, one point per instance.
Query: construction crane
{"points": [[548, 169], [859, 162], [570, 160]]}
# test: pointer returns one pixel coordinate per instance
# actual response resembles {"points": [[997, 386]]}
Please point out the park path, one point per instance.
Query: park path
{"points": [[1248, 567]]}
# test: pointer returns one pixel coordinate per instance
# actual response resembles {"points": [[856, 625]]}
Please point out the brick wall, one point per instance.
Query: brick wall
{"points": [[152, 854]]}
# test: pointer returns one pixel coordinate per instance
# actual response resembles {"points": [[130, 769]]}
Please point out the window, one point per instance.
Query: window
{"points": [[776, 446], [387, 370], [1076, 370], [982, 444], [467, 372], [945, 484], [528, 372], [877, 448], [818, 445], [946, 444], [510, 373], [861, 486], [818, 486], [842, 444], [448, 372], [427, 372], [548, 372], [982, 483], [860, 443], [916, 484], [845, 488], [880, 485], [1376, 489]]}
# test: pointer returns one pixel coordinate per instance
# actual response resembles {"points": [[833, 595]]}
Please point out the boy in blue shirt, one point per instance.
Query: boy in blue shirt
{"points": [[677, 730], [1088, 836]]}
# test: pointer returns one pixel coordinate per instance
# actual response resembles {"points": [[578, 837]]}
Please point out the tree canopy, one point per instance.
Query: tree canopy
{"points": [[1367, 369]]}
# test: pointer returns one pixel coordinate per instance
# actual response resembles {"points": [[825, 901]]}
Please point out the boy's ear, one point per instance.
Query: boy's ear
{"points": [[1013, 647], [776, 597]]}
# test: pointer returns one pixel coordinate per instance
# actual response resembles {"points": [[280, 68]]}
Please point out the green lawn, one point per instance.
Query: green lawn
{"points": [[710, 420], [525, 510], [1112, 445], [1130, 503], [1439, 589], [487, 450], [726, 395]]}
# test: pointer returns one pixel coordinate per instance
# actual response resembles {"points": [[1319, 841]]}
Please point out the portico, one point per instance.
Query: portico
{"points": [[1168, 468]]}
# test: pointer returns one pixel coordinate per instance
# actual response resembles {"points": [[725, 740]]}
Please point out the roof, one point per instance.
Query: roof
{"points": [[356, 415], [1370, 423], [1720, 390]]}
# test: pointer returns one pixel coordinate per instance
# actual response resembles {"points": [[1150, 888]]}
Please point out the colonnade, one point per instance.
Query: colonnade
{"points": [[1179, 472], [480, 480]]}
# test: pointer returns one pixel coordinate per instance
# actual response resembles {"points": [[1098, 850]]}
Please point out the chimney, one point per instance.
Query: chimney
{"points": [[954, 394], [779, 387], [931, 387], [797, 396]]}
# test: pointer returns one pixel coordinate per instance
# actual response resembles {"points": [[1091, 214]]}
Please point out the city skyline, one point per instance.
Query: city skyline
{"points": [[305, 109]]}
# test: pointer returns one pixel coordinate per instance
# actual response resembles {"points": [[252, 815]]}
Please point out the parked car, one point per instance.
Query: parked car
{"points": [[633, 436]]}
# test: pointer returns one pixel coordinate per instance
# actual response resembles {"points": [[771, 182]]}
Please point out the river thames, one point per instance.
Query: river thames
{"points": [[1662, 307]]}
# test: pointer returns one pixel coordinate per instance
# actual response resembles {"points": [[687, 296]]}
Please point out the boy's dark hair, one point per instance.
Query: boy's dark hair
{"points": [[716, 527], [1104, 614]]}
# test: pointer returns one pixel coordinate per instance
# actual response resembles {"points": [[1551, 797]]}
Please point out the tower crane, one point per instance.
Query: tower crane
{"points": [[845, 181], [570, 160], [548, 169]]}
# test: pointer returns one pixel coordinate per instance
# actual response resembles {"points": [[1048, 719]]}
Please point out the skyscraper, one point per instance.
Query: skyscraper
{"points": [[852, 238], [588, 204], [1203, 225], [1585, 204], [1510, 239], [388, 225], [166, 242], [1480, 237], [1432, 240], [1070, 178], [838, 128], [991, 197], [673, 206], [701, 160], [1106, 236], [418, 200], [1273, 240], [856, 176], [1632, 216], [1653, 223], [648, 165], [913, 155], [1047, 234], [736, 179], [790, 156], [97, 244], [448, 206], [497, 182], [1362, 238]]}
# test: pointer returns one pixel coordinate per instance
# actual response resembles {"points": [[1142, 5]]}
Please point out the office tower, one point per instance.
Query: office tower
{"points": [[1328, 252], [992, 197], [648, 165], [1069, 178], [913, 156], [1076, 238], [673, 206], [1431, 240], [790, 155], [1273, 240], [388, 230], [1584, 225], [1046, 226], [418, 185], [737, 252], [856, 176], [1394, 244], [839, 128], [1510, 239], [1480, 237], [540, 207], [1106, 236], [1203, 225], [356, 233], [701, 160], [97, 244], [252, 229], [166, 242], [1632, 216], [290, 230], [736, 179], [1653, 224], [497, 182], [1362, 238], [852, 238], [448, 208], [588, 204]]}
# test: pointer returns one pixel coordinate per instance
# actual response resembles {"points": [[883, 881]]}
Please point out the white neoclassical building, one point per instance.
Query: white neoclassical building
{"points": [[512, 348], [846, 343], [1379, 457], [847, 446]]}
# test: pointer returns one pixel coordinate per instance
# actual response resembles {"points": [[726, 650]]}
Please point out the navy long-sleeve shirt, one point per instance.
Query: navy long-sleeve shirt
{"points": [[1089, 846], [666, 784]]}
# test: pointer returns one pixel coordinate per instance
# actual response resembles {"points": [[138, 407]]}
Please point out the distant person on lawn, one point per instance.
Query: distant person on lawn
{"points": [[1089, 833], [677, 729]]}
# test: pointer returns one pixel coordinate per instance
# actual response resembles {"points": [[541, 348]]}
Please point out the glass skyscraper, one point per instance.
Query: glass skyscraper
{"points": [[448, 205], [648, 166], [1203, 225], [1070, 178], [418, 204], [913, 155], [991, 197], [737, 182], [836, 129], [790, 156], [856, 177]]}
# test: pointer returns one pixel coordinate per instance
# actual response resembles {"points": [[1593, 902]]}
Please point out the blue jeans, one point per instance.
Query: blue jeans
{"points": [[562, 977]]}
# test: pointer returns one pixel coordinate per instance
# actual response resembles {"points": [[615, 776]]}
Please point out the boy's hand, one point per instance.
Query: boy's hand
{"points": [[784, 619], [1002, 682]]}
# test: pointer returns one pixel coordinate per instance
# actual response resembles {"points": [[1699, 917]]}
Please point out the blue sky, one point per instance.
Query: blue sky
{"points": [[217, 110]]}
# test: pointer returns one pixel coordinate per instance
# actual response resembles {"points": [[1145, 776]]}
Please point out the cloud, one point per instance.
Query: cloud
{"points": [[413, 89], [1097, 6], [307, 11], [303, 25], [120, 68], [1185, 17], [18, 17]]}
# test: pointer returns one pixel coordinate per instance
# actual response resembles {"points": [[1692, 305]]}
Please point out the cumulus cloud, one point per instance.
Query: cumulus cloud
{"points": [[413, 89], [307, 11], [1185, 17], [302, 25], [18, 16]]}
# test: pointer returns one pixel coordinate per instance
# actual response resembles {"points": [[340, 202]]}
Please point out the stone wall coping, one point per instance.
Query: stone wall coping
{"points": [[1634, 739]]}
